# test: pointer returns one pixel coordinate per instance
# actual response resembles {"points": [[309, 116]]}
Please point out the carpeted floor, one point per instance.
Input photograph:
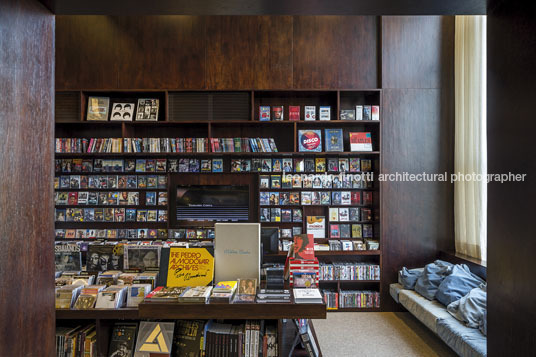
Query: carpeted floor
{"points": [[377, 334]]}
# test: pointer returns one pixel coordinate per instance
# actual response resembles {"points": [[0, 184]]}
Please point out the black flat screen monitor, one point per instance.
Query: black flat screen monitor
{"points": [[216, 203]]}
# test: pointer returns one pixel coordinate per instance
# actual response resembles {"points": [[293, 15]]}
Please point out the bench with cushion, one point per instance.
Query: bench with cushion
{"points": [[452, 285]]}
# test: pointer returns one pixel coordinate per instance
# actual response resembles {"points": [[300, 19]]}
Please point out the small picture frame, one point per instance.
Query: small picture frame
{"points": [[147, 109], [122, 112], [97, 108]]}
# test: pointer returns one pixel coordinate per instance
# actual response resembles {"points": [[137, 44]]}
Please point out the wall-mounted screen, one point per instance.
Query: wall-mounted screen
{"points": [[218, 203]]}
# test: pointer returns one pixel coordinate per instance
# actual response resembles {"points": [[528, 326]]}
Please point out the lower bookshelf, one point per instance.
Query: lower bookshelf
{"points": [[105, 319]]}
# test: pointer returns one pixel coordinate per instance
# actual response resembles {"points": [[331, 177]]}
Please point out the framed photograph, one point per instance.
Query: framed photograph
{"points": [[147, 109], [122, 111], [97, 108]]}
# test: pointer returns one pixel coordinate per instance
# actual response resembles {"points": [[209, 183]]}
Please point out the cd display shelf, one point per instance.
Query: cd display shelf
{"points": [[227, 114], [106, 318]]}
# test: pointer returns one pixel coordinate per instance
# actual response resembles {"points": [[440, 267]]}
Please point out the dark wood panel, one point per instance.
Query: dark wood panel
{"points": [[510, 129], [335, 52], [163, 52], [274, 7], [26, 173], [245, 52], [417, 51], [86, 52], [417, 217]]}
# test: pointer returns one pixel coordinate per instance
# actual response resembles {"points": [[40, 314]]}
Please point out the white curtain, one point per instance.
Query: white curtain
{"points": [[470, 197]]}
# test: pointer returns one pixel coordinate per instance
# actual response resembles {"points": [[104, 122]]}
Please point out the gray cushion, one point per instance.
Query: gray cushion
{"points": [[458, 284], [408, 277], [394, 289], [470, 308], [428, 312], [432, 276], [465, 341]]}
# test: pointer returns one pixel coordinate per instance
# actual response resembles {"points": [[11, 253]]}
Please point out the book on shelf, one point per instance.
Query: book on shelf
{"points": [[278, 112], [347, 114], [122, 111], [97, 108], [307, 338], [147, 109], [264, 113], [367, 112], [294, 112], [237, 252], [307, 296], [358, 112], [189, 337], [190, 267], [324, 113], [310, 112], [310, 140], [375, 112], [154, 338], [360, 141], [123, 339], [334, 140], [76, 341], [316, 225]]}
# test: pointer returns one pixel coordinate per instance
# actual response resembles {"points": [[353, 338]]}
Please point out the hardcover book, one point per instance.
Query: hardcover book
{"points": [[237, 251], [147, 109], [316, 225], [97, 108], [122, 111], [310, 112], [360, 141], [154, 339], [334, 140], [325, 113], [264, 113], [294, 112], [189, 267]]}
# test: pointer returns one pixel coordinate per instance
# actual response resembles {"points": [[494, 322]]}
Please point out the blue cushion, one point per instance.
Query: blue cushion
{"points": [[408, 277], [457, 284], [484, 323], [431, 278], [470, 308], [465, 341]]}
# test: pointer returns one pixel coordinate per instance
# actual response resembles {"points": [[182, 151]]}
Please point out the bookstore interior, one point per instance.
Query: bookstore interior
{"points": [[258, 186]]}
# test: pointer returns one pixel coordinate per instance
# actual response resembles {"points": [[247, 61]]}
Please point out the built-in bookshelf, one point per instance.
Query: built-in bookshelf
{"points": [[230, 114]]}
